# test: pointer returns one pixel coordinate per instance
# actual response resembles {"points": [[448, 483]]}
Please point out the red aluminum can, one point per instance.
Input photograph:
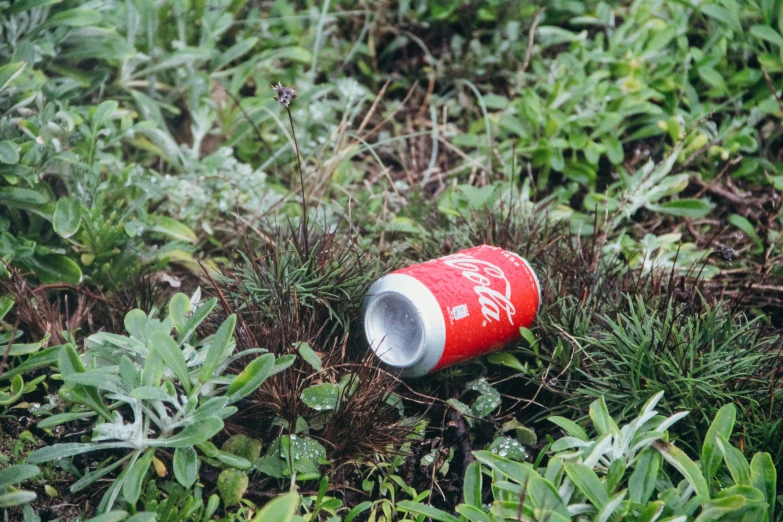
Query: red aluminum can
{"points": [[429, 316]]}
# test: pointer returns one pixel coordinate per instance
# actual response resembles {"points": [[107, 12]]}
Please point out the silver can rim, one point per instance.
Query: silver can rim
{"points": [[434, 327]]}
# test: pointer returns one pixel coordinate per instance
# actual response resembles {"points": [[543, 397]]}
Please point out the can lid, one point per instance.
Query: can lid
{"points": [[404, 324], [395, 326]]}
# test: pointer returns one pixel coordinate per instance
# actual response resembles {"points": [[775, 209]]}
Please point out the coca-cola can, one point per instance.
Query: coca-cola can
{"points": [[426, 317]]}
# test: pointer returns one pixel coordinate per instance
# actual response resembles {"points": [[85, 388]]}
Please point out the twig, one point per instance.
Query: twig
{"points": [[301, 181], [771, 87], [531, 37]]}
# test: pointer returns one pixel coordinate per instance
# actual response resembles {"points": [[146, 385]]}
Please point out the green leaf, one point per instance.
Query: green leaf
{"points": [[603, 422], [642, 481], [54, 268], [768, 34], [722, 15], [16, 498], [22, 197], [17, 474], [17, 386], [428, 511], [73, 18], [135, 323], [10, 71], [243, 446], [251, 377], [763, 477], [713, 78], [689, 470], [690, 208], [131, 488], [236, 51], [310, 357], [588, 483], [171, 354], [357, 510], [174, 229], [191, 435], [651, 512], [25, 5], [614, 150], [67, 217], [9, 152], [570, 427], [6, 304], [69, 363], [217, 349], [743, 224], [232, 484], [196, 318], [472, 485], [61, 451], [711, 455], [282, 509], [322, 397], [716, 509], [611, 506], [735, 461], [186, 465], [179, 308], [506, 359]]}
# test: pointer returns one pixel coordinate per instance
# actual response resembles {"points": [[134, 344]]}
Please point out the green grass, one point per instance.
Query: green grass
{"points": [[629, 150]]}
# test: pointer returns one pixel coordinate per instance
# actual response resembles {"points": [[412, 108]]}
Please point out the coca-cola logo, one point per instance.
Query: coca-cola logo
{"points": [[482, 273]]}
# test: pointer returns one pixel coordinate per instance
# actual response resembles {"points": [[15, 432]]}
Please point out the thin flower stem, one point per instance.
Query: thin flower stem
{"points": [[301, 182]]}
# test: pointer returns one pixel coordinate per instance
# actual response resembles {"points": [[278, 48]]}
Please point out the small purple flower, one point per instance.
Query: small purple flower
{"points": [[285, 95]]}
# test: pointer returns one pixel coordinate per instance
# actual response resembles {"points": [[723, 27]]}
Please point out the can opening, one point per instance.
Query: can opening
{"points": [[395, 329]]}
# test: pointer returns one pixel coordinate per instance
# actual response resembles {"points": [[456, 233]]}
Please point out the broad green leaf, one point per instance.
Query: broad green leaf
{"points": [[506, 359], [357, 510], [742, 223], [196, 318], [236, 51], [69, 364], [8, 72], [55, 268], [690, 208], [768, 34], [243, 446], [171, 354], [20, 197], [186, 465], [25, 5], [603, 422], [9, 152], [519, 472], [43, 359], [611, 506], [282, 509], [174, 229], [283, 363], [713, 78], [151, 393], [73, 18], [62, 418], [472, 485], [309, 356], [570, 427], [428, 511], [17, 385], [232, 485], [763, 477], [715, 509], [251, 377], [17, 474], [16, 498], [711, 455], [588, 483], [651, 512], [722, 15], [191, 435], [689, 470], [6, 303], [135, 323], [217, 348], [642, 481], [131, 488], [61, 451], [475, 514], [735, 461], [231, 460], [322, 397], [67, 217], [179, 308], [103, 113]]}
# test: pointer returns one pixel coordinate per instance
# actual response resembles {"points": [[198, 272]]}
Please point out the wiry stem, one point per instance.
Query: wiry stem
{"points": [[301, 182]]}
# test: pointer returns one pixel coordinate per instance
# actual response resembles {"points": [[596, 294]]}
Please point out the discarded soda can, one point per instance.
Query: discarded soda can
{"points": [[429, 316]]}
